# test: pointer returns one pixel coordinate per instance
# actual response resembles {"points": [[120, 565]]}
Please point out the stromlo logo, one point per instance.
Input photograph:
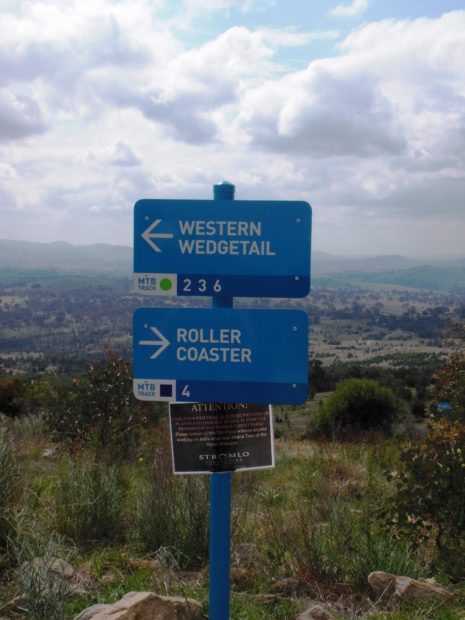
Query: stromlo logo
{"points": [[223, 456]]}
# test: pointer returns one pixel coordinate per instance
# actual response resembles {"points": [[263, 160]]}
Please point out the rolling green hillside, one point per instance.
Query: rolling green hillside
{"points": [[425, 277]]}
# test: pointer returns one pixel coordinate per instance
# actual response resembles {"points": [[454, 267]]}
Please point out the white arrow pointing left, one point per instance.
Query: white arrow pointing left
{"points": [[162, 343], [149, 236]]}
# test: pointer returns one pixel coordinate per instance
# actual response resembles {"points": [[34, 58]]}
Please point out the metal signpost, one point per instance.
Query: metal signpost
{"points": [[221, 249]]}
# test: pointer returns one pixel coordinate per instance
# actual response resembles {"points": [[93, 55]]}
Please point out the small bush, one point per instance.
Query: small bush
{"points": [[100, 410], [28, 427], [430, 499], [172, 512], [347, 548], [356, 405], [8, 476], [40, 558], [343, 545], [451, 383], [324, 529], [12, 391], [89, 501], [377, 550]]}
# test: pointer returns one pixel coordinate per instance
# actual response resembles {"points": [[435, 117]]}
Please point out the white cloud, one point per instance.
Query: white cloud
{"points": [[376, 134], [183, 95], [118, 154], [20, 116], [350, 10], [123, 155], [322, 113], [397, 89], [60, 50], [80, 58], [7, 171], [224, 5], [102, 103]]}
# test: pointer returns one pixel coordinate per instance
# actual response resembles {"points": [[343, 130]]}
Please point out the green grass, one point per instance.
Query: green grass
{"points": [[430, 278], [313, 517], [8, 484], [429, 612], [246, 607], [171, 512], [88, 501]]}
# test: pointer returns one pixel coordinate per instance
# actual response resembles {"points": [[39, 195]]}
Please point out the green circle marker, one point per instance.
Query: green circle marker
{"points": [[165, 284]]}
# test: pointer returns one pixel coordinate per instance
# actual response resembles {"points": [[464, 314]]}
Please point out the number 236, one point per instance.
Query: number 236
{"points": [[200, 286]]}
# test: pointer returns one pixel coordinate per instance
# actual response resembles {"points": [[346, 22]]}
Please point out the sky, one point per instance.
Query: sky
{"points": [[357, 107]]}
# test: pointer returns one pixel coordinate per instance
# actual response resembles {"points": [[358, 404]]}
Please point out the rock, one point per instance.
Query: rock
{"points": [[408, 589], [290, 586], [354, 604], [112, 574], [49, 566], [146, 606], [265, 598], [55, 574], [243, 578], [62, 569], [83, 580], [50, 453], [386, 587], [316, 612], [382, 585], [153, 565], [90, 612], [51, 574]]}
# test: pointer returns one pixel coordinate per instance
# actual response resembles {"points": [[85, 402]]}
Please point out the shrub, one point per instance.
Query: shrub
{"points": [[430, 498], [40, 558], [321, 526], [8, 475], [100, 410], [356, 405], [11, 396], [376, 550], [89, 501], [451, 382], [340, 543], [334, 544], [172, 511]]}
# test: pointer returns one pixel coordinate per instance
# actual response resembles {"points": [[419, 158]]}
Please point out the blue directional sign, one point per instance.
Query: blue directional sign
{"points": [[220, 355], [222, 247]]}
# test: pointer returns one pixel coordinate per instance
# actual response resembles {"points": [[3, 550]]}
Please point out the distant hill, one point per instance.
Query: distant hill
{"points": [[323, 262], [431, 274], [438, 278], [327, 269], [104, 257], [64, 256]]}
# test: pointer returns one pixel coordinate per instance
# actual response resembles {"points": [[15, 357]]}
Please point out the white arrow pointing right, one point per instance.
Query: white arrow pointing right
{"points": [[162, 343]]}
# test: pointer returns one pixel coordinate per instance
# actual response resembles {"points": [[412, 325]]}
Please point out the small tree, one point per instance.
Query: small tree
{"points": [[451, 383], [100, 409], [11, 395], [357, 405], [430, 496], [318, 380]]}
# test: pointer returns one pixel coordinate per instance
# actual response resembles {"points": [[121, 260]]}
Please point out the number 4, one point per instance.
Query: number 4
{"points": [[185, 391]]}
